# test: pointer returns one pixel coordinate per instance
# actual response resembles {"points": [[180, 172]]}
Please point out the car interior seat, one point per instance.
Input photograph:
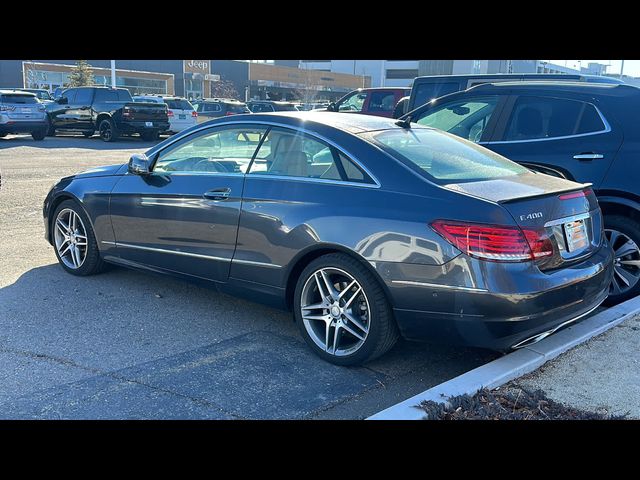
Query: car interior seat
{"points": [[289, 157]]}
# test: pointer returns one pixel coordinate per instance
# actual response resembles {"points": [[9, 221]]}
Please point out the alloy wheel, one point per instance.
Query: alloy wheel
{"points": [[70, 238], [335, 311], [626, 264], [105, 131]]}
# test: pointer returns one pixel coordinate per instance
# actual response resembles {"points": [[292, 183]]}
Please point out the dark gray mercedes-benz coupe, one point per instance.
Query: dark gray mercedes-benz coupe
{"points": [[366, 227]]}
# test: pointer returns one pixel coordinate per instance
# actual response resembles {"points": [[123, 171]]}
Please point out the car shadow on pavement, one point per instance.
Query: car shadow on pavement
{"points": [[150, 341], [76, 141]]}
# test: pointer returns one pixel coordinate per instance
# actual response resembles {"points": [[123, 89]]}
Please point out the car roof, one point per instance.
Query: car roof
{"points": [[555, 86], [350, 122], [12, 91]]}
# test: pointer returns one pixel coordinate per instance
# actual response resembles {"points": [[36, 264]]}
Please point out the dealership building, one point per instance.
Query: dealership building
{"points": [[279, 80]]}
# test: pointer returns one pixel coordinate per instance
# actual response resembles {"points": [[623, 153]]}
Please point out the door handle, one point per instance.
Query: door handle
{"points": [[217, 194], [588, 156]]}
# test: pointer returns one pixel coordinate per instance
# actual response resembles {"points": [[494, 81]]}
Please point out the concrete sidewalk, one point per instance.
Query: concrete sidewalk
{"points": [[601, 375], [593, 365]]}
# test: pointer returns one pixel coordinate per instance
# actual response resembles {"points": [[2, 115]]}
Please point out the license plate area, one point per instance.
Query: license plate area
{"points": [[576, 235], [148, 124], [182, 117]]}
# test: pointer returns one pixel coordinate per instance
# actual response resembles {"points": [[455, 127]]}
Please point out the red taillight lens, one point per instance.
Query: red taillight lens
{"points": [[228, 114], [169, 113], [126, 112], [569, 196], [496, 243], [194, 114]]}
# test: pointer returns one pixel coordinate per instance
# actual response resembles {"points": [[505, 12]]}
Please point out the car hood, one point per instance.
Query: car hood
{"points": [[105, 171]]}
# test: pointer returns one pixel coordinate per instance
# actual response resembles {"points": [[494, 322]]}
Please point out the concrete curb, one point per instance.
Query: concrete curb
{"points": [[513, 365]]}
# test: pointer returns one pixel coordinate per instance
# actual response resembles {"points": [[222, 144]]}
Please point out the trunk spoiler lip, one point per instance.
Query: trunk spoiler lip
{"points": [[581, 186]]}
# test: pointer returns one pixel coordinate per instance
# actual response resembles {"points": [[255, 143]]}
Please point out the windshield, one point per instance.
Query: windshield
{"points": [[444, 158], [14, 98]]}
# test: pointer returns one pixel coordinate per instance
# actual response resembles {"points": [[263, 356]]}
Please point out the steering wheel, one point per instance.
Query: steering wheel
{"points": [[207, 165]]}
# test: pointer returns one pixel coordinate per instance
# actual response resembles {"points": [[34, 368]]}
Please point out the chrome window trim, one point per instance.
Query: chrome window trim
{"points": [[351, 157], [312, 180], [607, 129]]}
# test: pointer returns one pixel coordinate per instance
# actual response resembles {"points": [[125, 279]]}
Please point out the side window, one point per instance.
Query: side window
{"points": [[539, 117], [293, 154], [70, 94], [227, 150], [211, 107], [105, 95], [425, 92], [382, 102], [353, 104], [465, 118], [83, 96]]}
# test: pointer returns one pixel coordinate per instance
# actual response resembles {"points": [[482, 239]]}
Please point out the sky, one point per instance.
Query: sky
{"points": [[631, 67]]}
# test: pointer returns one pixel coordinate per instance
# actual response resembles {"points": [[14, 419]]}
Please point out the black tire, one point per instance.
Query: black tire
{"points": [[2, 135], [39, 135], [150, 136], [51, 132], [631, 228], [88, 134], [93, 263], [107, 130], [383, 331]]}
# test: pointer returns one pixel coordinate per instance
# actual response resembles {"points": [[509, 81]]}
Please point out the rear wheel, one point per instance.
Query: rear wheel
{"points": [[342, 311], [39, 135], [107, 130], [623, 234], [150, 136]]}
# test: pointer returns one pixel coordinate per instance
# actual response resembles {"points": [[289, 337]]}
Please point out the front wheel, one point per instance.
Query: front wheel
{"points": [[623, 234], [342, 311], [74, 240], [39, 135], [150, 136]]}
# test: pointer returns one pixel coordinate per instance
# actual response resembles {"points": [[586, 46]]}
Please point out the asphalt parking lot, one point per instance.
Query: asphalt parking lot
{"points": [[129, 345]]}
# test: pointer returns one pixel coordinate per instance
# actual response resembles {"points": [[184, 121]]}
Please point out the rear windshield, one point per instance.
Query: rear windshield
{"points": [[238, 108], [110, 95], [286, 107], [177, 104], [444, 158], [18, 98]]}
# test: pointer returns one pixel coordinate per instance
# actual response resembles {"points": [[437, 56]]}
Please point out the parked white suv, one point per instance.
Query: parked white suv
{"points": [[181, 113]]}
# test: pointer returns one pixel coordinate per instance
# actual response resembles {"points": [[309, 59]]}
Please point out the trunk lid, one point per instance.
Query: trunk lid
{"points": [[565, 211], [147, 111]]}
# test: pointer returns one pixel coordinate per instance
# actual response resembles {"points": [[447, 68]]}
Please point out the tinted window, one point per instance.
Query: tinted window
{"points": [[443, 157], [539, 117], [382, 102], [238, 108], [220, 151], [70, 94], [17, 98], [425, 92], [105, 95], [211, 107], [178, 104], [293, 154], [466, 118], [83, 96], [286, 107], [124, 95]]}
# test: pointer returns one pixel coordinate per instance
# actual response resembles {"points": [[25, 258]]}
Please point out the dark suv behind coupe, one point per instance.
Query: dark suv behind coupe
{"points": [[586, 132], [364, 227]]}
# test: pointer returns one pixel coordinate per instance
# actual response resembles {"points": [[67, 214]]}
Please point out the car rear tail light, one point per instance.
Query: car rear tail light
{"points": [[126, 112], [194, 114], [228, 114], [169, 113], [569, 196], [496, 243]]}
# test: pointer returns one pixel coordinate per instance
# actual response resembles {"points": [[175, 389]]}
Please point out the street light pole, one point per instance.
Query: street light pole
{"points": [[113, 74], [622, 69]]}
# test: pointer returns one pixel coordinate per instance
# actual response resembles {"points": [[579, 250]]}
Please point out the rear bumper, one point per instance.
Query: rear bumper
{"points": [[509, 304], [141, 126], [23, 126]]}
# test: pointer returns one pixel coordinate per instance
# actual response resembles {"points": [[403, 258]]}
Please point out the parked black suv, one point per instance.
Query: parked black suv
{"points": [[111, 111], [209, 108], [586, 132], [425, 89]]}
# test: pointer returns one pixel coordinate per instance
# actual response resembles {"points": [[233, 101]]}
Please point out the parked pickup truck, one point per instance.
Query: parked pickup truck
{"points": [[110, 111]]}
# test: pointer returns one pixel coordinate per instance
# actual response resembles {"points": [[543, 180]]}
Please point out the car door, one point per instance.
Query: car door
{"points": [[79, 113], [60, 111], [559, 135], [472, 117], [183, 216]]}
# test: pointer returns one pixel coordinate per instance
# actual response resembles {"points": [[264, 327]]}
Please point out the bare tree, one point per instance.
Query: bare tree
{"points": [[224, 89], [308, 88]]}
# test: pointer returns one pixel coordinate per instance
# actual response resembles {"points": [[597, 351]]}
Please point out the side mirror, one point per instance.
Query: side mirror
{"points": [[62, 100], [332, 107], [139, 164]]}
